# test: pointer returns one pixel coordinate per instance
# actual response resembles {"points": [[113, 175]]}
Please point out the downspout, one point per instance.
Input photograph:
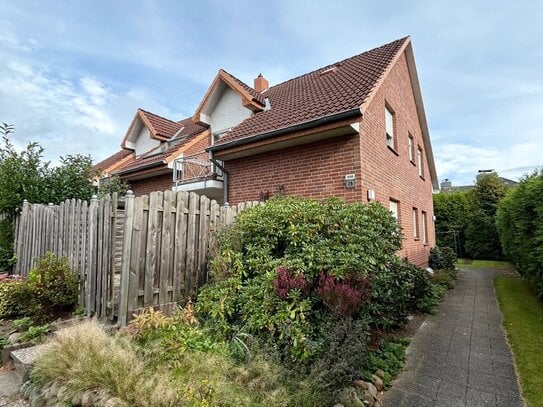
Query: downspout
{"points": [[224, 174]]}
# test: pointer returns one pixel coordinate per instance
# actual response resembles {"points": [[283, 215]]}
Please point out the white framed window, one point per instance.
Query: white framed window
{"points": [[393, 206], [420, 161], [424, 228], [411, 148], [389, 127], [416, 224]]}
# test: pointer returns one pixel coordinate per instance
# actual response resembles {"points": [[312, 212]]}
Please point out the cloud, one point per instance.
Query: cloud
{"points": [[461, 162]]}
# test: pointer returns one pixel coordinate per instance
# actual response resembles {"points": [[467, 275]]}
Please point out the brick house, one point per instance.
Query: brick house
{"points": [[159, 154], [354, 129]]}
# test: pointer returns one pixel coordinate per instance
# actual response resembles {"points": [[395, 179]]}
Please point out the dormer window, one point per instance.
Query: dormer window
{"points": [[389, 127]]}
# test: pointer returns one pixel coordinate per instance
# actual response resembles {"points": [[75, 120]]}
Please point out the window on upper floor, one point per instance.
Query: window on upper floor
{"points": [[411, 148], [416, 224], [420, 161], [389, 128], [393, 205], [424, 228]]}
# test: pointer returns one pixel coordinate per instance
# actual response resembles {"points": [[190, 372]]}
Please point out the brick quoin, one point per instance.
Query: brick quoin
{"points": [[318, 170]]}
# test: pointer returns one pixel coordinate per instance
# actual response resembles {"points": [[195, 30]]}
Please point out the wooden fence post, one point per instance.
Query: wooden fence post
{"points": [[125, 263], [21, 249], [91, 260]]}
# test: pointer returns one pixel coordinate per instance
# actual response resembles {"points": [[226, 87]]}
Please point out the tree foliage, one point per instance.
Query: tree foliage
{"points": [[482, 240], [466, 220], [25, 175], [520, 227], [452, 219]]}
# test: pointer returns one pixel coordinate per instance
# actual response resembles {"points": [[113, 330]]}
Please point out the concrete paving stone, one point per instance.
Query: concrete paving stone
{"points": [[503, 369], [480, 398], [480, 364], [425, 385], [411, 400], [10, 383], [453, 402], [508, 401], [455, 374], [450, 390]]}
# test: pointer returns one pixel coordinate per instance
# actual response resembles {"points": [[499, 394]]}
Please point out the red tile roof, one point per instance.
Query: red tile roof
{"points": [[112, 159], [154, 157], [336, 88], [162, 127], [257, 96]]}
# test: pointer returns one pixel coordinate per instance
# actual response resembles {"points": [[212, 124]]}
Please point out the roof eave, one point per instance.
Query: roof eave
{"points": [[141, 167], [346, 114]]}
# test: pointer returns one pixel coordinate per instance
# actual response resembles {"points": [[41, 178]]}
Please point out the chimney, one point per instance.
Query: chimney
{"points": [[261, 84]]}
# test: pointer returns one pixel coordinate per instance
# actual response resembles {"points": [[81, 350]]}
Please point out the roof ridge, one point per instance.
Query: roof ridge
{"points": [[156, 115], [339, 62]]}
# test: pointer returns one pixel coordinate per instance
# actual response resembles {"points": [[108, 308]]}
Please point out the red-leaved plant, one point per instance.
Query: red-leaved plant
{"points": [[285, 281], [343, 297]]}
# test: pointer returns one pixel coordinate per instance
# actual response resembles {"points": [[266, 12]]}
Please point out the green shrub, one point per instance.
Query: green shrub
{"points": [[444, 278], [290, 264], [7, 257], [49, 288], [17, 299], [53, 283], [520, 225], [442, 258], [398, 290], [344, 355], [23, 324], [35, 334], [389, 357]]}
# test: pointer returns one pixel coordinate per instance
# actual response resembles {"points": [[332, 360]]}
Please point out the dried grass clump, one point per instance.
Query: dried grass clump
{"points": [[86, 357]]}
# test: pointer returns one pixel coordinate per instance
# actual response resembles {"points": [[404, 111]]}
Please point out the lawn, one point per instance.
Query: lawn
{"points": [[523, 321], [483, 264]]}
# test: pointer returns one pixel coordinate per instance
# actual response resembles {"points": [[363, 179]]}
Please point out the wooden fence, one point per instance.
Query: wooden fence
{"points": [[129, 253]]}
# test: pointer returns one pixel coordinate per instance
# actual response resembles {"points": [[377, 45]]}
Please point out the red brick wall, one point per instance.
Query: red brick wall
{"points": [[155, 183], [199, 148], [314, 170], [392, 175]]}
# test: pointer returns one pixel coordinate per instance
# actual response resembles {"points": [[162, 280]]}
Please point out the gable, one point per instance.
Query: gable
{"points": [[227, 103], [224, 110], [144, 143]]}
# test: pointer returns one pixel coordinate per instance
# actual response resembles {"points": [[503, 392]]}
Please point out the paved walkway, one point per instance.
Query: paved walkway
{"points": [[10, 383], [460, 356]]}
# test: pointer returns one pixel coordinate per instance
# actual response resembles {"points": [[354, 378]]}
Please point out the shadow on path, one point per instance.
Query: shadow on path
{"points": [[460, 356]]}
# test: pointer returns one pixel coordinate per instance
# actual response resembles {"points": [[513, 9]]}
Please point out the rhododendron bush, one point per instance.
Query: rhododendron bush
{"points": [[289, 270]]}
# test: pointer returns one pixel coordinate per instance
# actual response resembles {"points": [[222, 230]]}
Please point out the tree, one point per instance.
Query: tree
{"points": [[452, 218], [482, 240], [21, 173], [25, 175]]}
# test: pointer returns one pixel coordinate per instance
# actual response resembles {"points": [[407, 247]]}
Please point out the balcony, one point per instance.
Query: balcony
{"points": [[196, 173]]}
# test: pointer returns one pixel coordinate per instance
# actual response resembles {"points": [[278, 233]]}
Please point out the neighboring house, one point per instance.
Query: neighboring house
{"points": [[354, 129], [159, 154], [446, 185]]}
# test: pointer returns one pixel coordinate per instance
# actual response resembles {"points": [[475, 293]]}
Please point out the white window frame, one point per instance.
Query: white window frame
{"points": [[411, 147], [389, 127], [420, 161], [416, 224], [424, 228], [394, 207]]}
